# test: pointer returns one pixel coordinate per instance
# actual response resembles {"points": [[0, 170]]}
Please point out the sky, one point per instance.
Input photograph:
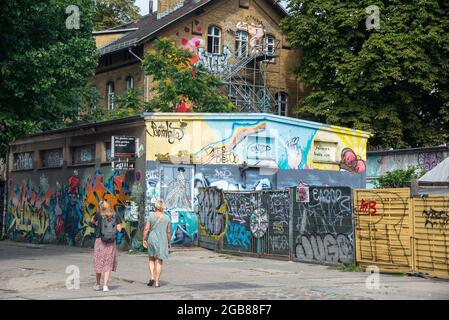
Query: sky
{"points": [[144, 5]]}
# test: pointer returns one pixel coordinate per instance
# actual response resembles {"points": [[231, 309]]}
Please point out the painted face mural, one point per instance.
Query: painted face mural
{"points": [[351, 162]]}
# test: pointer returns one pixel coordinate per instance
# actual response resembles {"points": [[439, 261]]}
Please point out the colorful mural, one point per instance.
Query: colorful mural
{"points": [[259, 143], [61, 213]]}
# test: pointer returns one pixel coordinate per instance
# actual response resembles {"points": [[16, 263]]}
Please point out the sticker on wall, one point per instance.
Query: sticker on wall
{"points": [[131, 211], [259, 223], [302, 194]]}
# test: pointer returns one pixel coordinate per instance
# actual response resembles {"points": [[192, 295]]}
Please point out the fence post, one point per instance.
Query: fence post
{"points": [[411, 210], [290, 220], [414, 187]]}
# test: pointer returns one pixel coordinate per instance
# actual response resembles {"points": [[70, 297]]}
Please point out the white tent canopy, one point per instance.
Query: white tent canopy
{"points": [[438, 174]]}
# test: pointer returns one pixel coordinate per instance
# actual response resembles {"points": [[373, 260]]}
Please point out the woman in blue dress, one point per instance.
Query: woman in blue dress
{"points": [[156, 237]]}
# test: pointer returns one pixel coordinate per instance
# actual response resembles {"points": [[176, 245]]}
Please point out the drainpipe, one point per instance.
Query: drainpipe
{"points": [[147, 86]]}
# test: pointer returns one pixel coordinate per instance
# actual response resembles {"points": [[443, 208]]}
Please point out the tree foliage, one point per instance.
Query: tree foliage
{"points": [[176, 77], [392, 81], [112, 13], [43, 64]]}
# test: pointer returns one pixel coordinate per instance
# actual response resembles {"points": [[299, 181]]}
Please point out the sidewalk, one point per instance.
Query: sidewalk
{"points": [[38, 272]]}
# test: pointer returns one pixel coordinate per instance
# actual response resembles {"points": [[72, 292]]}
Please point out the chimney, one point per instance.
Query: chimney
{"points": [[153, 6], [165, 7]]}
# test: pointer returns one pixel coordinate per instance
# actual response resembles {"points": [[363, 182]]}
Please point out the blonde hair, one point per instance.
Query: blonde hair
{"points": [[160, 205], [105, 209]]}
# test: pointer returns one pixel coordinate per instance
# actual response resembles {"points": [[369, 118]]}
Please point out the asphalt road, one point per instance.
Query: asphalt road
{"points": [[39, 272]]}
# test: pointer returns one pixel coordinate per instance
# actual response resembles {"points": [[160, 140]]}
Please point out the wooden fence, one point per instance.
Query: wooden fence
{"points": [[400, 233]]}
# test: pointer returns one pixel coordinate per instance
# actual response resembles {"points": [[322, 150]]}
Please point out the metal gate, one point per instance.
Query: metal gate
{"points": [[258, 222]]}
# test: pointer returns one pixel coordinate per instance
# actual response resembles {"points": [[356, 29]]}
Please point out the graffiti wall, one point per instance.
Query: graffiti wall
{"points": [[263, 142], [400, 233], [174, 185], [384, 228], [244, 221], [379, 163], [323, 229], [53, 210]]}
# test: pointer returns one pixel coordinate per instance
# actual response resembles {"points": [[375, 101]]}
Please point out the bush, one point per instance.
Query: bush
{"points": [[398, 178]]}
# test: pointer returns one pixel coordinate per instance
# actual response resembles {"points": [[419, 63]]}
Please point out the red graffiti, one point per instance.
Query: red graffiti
{"points": [[74, 183], [368, 207]]}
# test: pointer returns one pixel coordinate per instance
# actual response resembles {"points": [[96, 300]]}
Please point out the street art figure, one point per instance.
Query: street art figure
{"points": [[178, 192], [351, 162]]}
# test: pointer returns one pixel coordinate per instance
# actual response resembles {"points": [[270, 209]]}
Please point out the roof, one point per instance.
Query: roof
{"points": [[148, 25], [255, 117], [407, 150], [201, 116], [438, 174]]}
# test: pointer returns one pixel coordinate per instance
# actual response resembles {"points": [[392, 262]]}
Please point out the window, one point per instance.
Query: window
{"points": [[110, 94], [23, 161], [129, 82], [269, 45], [282, 103], [108, 152], [214, 40], [83, 154], [241, 43], [52, 158]]}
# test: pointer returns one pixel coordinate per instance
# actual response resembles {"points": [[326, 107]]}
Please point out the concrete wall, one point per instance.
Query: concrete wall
{"points": [[381, 162]]}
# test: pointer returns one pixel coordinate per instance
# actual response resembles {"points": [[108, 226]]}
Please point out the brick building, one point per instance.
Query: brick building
{"points": [[239, 41]]}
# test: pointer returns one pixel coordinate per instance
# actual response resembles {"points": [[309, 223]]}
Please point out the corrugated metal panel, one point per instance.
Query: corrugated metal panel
{"points": [[431, 239], [383, 233]]}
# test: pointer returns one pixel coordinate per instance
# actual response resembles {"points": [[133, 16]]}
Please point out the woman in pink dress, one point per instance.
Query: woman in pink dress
{"points": [[105, 253]]}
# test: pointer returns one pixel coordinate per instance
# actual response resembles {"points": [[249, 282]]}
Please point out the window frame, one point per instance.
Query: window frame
{"points": [[110, 95], [42, 158], [84, 163], [129, 79], [280, 101], [211, 35], [239, 41]]}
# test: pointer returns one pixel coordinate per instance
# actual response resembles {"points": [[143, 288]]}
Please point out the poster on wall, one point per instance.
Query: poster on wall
{"points": [[174, 217], [325, 151], [123, 146], [302, 194]]}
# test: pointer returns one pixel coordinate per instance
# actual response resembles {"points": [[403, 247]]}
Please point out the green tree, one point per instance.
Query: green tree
{"points": [[392, 81], [398, 178], [43, 64], [177, 77], [112, 13]]}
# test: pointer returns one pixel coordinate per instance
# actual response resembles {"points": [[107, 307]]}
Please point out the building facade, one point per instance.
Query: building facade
{"points": [[239, 41], [57, 178]]}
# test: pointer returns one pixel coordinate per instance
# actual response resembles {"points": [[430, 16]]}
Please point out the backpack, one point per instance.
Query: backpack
{"points": [[108, 229]]}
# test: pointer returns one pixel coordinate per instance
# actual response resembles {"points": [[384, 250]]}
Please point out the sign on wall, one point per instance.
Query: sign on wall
{"points": [[325, 151], [123, 146], [123, 165]]}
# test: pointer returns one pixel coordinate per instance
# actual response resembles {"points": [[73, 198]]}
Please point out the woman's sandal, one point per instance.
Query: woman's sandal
{"points": [[150, 283], [157, 285]]}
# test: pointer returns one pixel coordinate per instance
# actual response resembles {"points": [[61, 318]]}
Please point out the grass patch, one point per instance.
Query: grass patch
{"points": [[351, 268]]}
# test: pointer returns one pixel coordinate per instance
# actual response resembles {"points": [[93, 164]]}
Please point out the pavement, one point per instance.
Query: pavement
{"points": [[29, 271]]}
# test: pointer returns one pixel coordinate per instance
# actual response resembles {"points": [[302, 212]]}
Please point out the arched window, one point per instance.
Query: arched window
{"points": [[129, 82], [241, 43], [110, 91], [282, 103], [269, 44], [214, 40]]}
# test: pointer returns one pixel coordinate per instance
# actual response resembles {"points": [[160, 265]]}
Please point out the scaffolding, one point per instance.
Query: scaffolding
{"points": [[251, 79]]}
